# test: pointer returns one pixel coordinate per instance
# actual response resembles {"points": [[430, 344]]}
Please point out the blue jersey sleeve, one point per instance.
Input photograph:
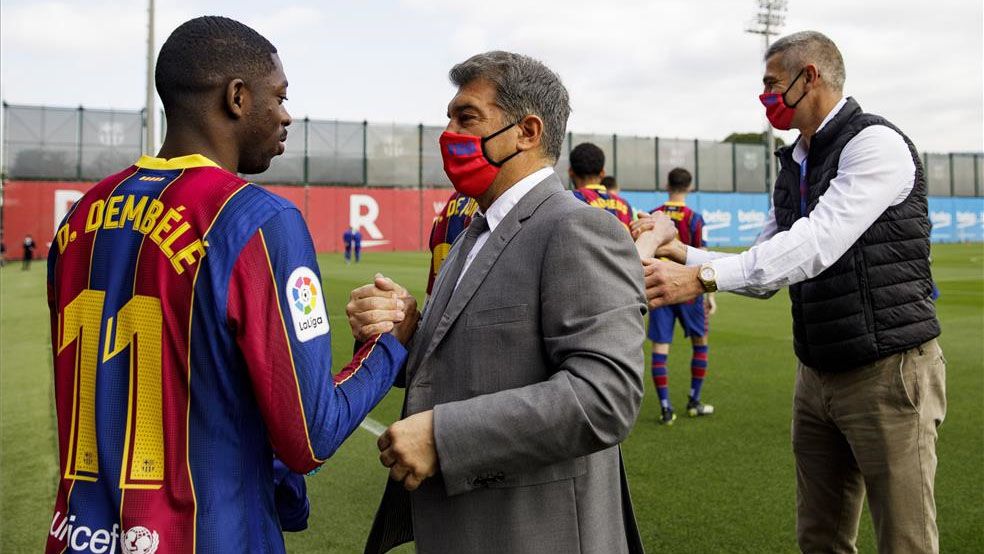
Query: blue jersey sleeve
{"points": [[278, 307]]}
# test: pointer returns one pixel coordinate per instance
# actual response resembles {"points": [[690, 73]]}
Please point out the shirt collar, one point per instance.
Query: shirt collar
{"points": [[180, 162], [679, 204], [505, 202], [799, 153], [596, 186]]}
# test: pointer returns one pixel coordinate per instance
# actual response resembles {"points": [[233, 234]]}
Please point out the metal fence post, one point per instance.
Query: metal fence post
{"points": [[3, 149], [925, 162], [365, 152], [769, 159], [614, 155], [696, 166], [734, 167], [307, 156], [952, 188], [78, 144], [420, 155], [420, 183], [977, 174], [656, 156]]}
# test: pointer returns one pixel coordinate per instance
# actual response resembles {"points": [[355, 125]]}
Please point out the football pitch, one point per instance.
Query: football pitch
{"points": [[723, 483]]}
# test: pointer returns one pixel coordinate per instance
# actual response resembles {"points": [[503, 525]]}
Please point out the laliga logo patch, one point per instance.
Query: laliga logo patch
{"points": [[307, 306], [140, 540], [305, 294]]}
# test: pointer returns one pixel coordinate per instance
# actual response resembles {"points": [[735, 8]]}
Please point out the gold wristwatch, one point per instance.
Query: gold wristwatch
{"points": [[708, 277]]}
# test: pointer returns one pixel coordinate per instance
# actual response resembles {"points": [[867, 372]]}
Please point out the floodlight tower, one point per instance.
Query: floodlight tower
{"points": [[770, 18], [150, 142]]}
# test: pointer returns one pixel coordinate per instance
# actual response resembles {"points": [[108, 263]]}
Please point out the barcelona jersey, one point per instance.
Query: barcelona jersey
{"points": [[191, 345], [451, 222], [689, 224], [599, 197]]}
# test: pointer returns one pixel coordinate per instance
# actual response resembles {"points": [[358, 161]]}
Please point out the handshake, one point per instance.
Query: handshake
{"points": [[668, 281], [407, 446]]}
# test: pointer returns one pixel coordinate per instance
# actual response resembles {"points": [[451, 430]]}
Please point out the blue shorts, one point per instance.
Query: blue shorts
{"points": [[691, 316]]}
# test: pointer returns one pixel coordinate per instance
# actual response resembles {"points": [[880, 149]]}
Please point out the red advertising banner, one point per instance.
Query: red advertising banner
{"points": [[389, 219]]}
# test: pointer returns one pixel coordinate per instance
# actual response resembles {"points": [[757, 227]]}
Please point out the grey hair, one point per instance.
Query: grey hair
{"points": [[811, 47], [523, 86]]}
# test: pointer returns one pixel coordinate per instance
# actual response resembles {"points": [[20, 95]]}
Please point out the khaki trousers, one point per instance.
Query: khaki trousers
{"points": [[869, 429]]}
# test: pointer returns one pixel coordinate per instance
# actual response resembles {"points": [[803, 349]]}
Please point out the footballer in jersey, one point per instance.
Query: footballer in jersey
{"points": [[587, 170], [692, 315], [190, 337]]}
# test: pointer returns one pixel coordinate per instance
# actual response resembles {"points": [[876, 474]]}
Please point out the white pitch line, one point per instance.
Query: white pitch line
{"points": [[373, 426]]}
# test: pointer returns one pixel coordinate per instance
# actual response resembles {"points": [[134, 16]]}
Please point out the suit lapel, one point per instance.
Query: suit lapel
{"points": [[483, 262]]}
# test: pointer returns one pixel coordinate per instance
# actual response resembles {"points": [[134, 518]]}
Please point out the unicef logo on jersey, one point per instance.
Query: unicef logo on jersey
{"points": [[307, 307], [140, 540], [305, 294]]}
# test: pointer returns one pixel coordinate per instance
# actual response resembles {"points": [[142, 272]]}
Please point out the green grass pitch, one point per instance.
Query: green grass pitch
{"points": [[719, 484]]}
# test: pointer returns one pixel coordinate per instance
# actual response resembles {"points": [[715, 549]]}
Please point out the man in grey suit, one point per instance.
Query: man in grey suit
{"points": [[525, 373]]}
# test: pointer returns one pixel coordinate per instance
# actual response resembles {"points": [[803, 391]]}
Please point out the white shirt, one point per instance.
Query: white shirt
{"points": [[875, 171], [500, 208]]}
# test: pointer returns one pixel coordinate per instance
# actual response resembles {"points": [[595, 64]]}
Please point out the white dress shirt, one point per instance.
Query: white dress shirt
{"points": [[875, 171], [500, 208]]}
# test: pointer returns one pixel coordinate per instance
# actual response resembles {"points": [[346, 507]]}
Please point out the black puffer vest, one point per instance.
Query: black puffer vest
{"points": [[875, 300]]}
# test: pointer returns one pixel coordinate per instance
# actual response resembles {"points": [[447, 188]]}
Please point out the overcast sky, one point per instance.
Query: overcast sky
{"points": [[672, 68]]}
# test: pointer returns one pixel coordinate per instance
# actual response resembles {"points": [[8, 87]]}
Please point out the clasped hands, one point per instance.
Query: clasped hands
{"points": [[667, 282], [407, 446]]}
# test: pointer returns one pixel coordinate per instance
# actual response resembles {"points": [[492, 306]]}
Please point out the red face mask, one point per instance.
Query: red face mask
{"points": [[469, 168], [779, 114]]}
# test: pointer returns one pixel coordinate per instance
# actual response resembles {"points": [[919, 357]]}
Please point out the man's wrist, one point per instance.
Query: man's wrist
{"points": [[707, 276], [674, 250]]}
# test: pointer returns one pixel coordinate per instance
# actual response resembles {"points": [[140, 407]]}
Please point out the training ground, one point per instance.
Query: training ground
{"points": [[724, 484]]}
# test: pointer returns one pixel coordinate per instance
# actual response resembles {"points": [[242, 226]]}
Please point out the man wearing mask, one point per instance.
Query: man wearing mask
{"points": [[848, 233], [526, 372]]}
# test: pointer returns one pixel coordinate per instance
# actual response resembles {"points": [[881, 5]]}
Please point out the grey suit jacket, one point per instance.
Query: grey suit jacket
{"points": [[534, 373]]}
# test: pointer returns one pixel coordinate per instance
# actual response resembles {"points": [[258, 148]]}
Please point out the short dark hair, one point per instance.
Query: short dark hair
{"points": [[678, 180], [609, 182], [208, 52], [587, 160]]}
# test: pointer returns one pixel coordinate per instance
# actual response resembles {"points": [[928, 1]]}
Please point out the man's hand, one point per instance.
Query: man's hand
{"points": [[378, 307], [407, 448], [670, 283], [404, 330], [656, 235], [710, 304]]}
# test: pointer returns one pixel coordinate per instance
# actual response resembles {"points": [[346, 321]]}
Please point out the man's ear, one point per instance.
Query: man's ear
{"points": [[810, 74], [531, 132], [237, 98]]}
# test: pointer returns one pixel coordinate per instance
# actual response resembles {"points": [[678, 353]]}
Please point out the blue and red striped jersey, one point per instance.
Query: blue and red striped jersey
{"points": [[689, 224], [451, 222], [599, 197], [191, 344]]}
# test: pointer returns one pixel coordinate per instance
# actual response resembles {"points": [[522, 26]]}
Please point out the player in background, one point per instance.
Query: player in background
{"points": [[587, 169], [454, 218], [357, 244], [611, 185], [692, 315], [353, 241], [29, 246], [190, 337]]}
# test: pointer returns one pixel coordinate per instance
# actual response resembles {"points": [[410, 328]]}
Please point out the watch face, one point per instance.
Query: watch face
{"points": [[707, 273]]}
